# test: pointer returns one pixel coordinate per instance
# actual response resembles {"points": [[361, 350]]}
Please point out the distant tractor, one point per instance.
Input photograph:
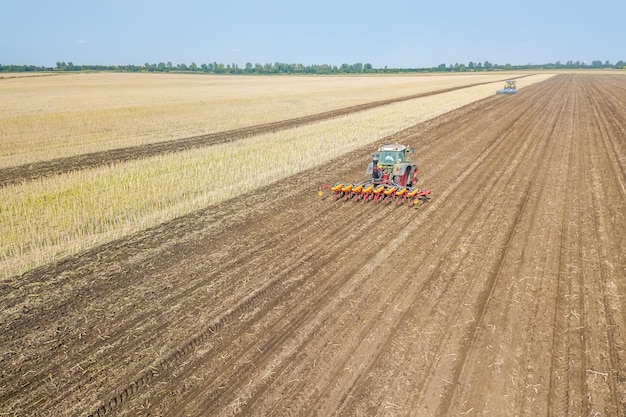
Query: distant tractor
{"points": [[509, 88], [392, 177]]}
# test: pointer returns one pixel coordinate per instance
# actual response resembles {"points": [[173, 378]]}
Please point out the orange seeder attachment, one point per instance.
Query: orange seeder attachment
{"points": [[367, 193], [377, 193], [413, 193], [420, 197], [379, 189], [401, 195], [337, 188], [388, 194], [390, 191]]}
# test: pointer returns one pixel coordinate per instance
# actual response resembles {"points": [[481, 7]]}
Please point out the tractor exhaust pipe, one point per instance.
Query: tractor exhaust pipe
{"points": [[376, 174]]}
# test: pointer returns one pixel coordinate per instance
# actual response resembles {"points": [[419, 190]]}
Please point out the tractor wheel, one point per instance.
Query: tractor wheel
{"points": [[415, 175]]}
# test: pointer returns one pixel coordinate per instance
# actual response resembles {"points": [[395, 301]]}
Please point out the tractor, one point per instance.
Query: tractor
{"points": [[509, 88], [394, 165], [392, 177]]}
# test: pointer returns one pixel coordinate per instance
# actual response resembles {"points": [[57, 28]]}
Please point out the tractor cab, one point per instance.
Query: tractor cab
{"points": [[390, 155]]}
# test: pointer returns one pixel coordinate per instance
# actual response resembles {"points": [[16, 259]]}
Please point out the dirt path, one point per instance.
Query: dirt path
{"points": [[504, 295]]}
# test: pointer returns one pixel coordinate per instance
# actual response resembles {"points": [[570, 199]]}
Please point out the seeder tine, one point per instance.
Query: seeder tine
{"points": [[366, 194], [343, 191], [356, 192], [401, 195], [336, 189], [389, 194], [378, 193]]}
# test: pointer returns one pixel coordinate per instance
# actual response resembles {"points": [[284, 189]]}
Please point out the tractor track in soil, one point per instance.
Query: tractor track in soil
{"points": [[503, 295], [28, 172]]}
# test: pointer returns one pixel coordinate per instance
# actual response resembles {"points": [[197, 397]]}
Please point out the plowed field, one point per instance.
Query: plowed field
{"points": [[503, 295]]}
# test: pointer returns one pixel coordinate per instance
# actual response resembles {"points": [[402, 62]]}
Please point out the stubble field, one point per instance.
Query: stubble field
{"points": [[503, 295]]}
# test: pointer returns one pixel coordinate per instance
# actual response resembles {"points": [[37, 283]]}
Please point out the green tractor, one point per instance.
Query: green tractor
{"points": [[394, 165], [392, 177]]}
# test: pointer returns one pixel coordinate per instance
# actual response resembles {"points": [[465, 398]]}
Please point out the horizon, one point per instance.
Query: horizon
{"points": [[470, 66]]}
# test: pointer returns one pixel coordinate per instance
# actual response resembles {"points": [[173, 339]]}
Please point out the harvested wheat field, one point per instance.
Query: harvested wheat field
{"points": [[502, 295], [62, 206], [73, 114]]}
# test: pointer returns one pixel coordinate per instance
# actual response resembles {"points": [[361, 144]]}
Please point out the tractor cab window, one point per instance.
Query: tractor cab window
{"points": [[388, 158]]}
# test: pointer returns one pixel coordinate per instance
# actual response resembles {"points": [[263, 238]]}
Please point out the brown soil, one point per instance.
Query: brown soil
{"points": [[503, 295]]}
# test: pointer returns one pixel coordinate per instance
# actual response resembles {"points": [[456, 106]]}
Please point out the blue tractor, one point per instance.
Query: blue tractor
{"points": [[509, 88]]}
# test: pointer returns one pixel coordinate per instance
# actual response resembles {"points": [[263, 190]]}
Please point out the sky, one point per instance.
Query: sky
{"points": [[383, 33]]}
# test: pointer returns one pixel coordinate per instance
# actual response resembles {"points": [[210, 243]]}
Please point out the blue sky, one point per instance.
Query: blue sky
{"points": [[392, 33]]}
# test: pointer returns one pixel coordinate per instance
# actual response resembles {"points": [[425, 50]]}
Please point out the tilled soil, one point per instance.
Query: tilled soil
{"points": [[503, 295]]}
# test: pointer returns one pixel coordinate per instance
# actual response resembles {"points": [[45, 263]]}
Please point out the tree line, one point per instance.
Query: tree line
{"points": [[284, 68]]}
